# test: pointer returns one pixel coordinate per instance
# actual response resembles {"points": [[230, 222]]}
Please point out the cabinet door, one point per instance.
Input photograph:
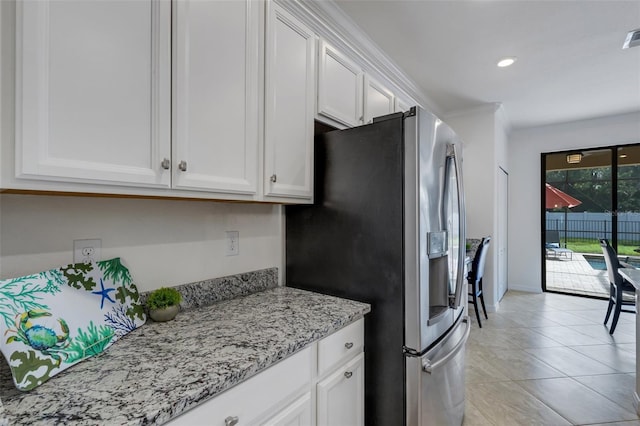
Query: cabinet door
{"points": [[216, 104], [298, 413], [93, 91], [402, 105], [339, 87], [378, 100], [341, 395], [289, 106]]}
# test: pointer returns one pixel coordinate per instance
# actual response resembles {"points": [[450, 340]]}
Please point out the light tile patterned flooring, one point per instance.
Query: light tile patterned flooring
{"points": [[575, 275], [547, 359]]}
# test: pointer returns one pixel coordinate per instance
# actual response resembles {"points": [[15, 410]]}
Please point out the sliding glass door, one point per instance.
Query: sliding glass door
{"points": [[588, 195], [627, 215]]}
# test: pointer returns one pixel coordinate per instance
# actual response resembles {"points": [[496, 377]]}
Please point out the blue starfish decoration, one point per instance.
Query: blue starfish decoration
{"points": [[104, 292]]}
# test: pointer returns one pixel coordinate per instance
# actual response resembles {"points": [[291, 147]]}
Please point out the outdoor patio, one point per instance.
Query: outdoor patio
{"points": [[576, 275]]}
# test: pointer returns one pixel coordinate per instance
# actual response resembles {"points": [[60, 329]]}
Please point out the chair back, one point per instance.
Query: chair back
{"points": [[477, 266], [611, 259], [552, 238]]}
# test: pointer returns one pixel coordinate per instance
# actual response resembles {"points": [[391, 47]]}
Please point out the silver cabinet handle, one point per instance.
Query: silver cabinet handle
{"points": [[182, 166], [231, 421], [166, 164], [348, 345], [273, 178], [348, 374]]}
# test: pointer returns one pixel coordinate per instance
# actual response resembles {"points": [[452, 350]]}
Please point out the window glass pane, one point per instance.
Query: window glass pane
{"points": [[628, 211]]}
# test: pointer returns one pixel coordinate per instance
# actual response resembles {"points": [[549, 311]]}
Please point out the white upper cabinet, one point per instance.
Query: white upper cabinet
{"points": [[340, 83], [216, 95], [378, 100], [290, 62], [92, 91], [402, 105]]}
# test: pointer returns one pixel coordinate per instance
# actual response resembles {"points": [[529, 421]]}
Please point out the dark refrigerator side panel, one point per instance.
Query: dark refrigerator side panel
{"points": [[350, 244]]}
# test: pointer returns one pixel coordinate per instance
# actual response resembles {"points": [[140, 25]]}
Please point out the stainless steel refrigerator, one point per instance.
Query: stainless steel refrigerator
{"points": [[387, 227]]}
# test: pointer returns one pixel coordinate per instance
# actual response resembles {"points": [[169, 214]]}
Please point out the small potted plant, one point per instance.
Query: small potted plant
{"points": [[164, 304]]}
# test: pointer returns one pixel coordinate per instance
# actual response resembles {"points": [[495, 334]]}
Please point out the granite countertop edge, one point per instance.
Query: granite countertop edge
{"points": [[210, 349]]}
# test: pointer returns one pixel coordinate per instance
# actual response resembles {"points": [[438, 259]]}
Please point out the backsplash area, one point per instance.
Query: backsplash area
{"points": [[203, 293], [162, 242]]}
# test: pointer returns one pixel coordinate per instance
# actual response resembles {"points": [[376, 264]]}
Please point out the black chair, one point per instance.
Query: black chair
{"points": [[474, 277], [617, 286]]}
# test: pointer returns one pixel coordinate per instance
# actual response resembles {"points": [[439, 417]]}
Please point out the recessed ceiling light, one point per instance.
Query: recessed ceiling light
{"points": [[505, 62], [633, 39]]}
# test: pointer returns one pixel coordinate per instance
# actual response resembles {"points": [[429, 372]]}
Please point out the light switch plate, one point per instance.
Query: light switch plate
{"points": [[232, 243]]}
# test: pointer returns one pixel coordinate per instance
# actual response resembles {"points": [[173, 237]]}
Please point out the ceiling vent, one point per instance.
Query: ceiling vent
{"points": [[633, 39]]}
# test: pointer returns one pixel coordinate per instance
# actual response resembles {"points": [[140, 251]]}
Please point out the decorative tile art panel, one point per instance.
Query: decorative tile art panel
{"points": [[54, 319]]}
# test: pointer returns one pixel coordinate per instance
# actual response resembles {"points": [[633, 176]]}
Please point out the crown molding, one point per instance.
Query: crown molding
{"points": [[328, 21]]}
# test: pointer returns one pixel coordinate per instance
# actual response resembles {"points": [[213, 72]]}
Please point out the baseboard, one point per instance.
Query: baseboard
{"points": [[525, 289]]}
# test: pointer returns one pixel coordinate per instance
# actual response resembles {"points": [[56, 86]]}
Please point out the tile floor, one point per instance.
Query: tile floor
{"points": [[547, 359], [575, 275]]}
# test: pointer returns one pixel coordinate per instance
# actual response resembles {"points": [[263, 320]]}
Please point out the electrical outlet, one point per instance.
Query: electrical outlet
{"points": [[87, 251], [232, 243]]}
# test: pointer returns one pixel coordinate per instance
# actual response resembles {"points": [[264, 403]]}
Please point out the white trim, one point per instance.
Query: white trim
{"points": [[332, 24]]}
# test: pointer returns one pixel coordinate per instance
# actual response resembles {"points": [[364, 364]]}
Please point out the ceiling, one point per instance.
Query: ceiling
{"points": [[570, 66]]}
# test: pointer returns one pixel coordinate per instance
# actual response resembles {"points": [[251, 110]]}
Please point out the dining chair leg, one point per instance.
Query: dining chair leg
{"points": [[484, 308], [475, 305], [616, 312], [611, 295]]}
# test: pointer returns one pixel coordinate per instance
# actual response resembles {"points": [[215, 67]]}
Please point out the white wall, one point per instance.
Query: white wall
{"points": [[483, 131], [163, 242], [525, 147]]}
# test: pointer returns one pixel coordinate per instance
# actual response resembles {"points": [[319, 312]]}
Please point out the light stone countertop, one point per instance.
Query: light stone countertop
{"points": [[160, 370]]}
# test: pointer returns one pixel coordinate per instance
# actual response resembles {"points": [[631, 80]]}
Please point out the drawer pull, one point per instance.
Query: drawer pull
{"points": [[348, 345], [182, 166], [348, 374], [231, 421]]}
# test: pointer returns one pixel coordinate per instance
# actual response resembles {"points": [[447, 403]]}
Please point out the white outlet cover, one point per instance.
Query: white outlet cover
{"points": [[232, 243], [83, 249]]}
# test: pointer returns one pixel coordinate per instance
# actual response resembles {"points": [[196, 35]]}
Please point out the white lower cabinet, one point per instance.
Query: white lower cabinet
{"points": [[322, 384], [267, 395], [340, 399], [298, 413]]}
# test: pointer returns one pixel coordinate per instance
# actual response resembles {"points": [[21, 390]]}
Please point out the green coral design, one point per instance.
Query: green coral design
{"points": [[23, 294], [28, 363], [76, 275], [123, 293], [136, 310], [93, 342], [114, 270]]}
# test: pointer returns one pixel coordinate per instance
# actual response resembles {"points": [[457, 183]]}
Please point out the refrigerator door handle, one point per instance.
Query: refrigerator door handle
{"points": [[462, 252], [428, 366]]}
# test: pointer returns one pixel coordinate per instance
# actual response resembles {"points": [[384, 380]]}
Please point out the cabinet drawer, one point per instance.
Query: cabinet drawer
{"points": [[256, 398], [340, 346]]}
